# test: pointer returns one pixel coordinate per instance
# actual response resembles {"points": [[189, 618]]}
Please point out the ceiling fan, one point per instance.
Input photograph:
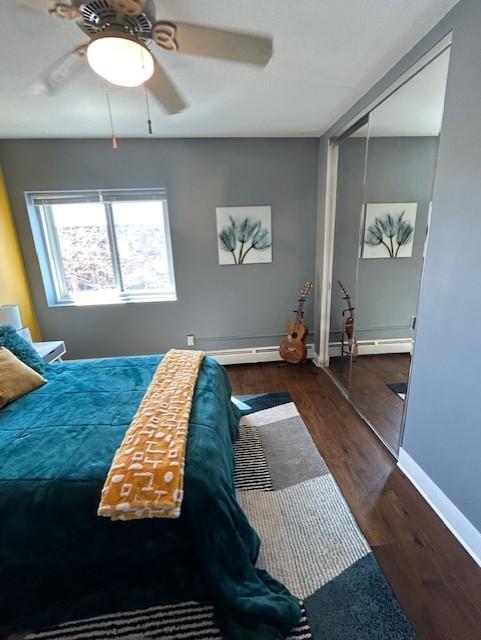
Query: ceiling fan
{"points": [[121, 33]]}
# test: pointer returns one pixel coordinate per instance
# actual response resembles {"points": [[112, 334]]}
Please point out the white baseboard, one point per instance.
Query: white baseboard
{"points": [[456, 522], [372, 347], [252, 355], [318, 361]]}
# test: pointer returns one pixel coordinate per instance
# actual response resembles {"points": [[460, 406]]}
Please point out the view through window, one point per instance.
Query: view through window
{"points": [[111, 247]]}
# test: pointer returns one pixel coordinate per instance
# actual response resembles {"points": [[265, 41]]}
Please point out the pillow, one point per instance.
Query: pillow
{"points": [[16, 379], [11, 340]]}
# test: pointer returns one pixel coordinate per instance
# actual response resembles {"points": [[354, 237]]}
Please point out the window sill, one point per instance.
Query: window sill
{"points": [[112, 302]]}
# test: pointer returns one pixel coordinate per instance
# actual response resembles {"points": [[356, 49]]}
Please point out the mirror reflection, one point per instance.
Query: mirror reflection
{"points": [[349, 205], [385, 202]]}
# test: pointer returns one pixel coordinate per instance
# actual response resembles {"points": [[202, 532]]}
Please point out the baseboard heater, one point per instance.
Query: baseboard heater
{"points": [[371, 347], [252, 354]]}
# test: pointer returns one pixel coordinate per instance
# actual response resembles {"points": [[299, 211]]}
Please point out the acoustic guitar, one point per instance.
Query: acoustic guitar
{"points": [[293, 348]]}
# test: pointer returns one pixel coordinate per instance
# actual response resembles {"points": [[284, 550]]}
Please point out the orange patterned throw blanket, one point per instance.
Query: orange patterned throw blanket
{"points": [[146, 478]]}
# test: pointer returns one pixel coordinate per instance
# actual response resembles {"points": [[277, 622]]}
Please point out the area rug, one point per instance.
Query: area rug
{"points": [[399, 388], [310, 541]]}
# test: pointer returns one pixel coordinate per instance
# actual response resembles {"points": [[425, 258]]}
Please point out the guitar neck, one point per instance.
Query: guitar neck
{"points": [[300, 310], [347, 297]]}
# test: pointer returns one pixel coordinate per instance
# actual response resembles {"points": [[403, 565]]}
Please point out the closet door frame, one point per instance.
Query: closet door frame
{"points": [[325, 283]]}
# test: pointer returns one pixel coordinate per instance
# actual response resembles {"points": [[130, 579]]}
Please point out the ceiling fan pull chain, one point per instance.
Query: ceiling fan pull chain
{"points": [[147, 106], [115, 143]]}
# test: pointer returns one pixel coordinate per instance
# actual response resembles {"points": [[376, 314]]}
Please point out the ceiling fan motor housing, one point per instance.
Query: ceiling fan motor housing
{"points": [[100, 17], [120, 33]]}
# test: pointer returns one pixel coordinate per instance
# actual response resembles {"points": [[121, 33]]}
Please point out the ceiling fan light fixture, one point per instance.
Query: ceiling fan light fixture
{"points": [[120, 59]]}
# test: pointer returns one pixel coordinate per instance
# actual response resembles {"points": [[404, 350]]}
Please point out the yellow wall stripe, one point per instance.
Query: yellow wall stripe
{"points": [[14, 288]]}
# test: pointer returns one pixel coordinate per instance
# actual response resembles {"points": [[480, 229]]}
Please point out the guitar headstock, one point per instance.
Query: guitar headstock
{"points": [[306, 289]]}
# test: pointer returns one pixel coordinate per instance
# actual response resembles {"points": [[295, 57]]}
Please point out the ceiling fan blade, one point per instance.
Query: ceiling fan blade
{"points": [[60, 9], [61, 71], [65, 10], [162, 88], [33, 5], [129, 7], [198, 40]]}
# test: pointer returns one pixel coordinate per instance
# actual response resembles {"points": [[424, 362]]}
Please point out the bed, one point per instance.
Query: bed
{"points": [[61, 561]]}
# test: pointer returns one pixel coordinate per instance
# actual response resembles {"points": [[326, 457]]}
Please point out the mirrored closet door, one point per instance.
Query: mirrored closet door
{"points": [[352, 150], [385, 177]]}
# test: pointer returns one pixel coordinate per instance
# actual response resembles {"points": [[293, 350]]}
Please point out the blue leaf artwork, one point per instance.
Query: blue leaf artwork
{"points": [[389, 230], [244, 235]]}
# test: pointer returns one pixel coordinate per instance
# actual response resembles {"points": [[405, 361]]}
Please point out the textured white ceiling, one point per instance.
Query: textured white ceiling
{"points": [[327, 53]]}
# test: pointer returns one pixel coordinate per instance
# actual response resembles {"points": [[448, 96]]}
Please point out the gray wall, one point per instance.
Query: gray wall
{"points": [[224, 306], [443, 421], [397, 170]]}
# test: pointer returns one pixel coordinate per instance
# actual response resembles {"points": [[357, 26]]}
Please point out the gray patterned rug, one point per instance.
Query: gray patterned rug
{"points": [[310, 542]]}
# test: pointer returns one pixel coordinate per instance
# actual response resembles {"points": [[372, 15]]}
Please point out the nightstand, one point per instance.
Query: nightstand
{"points": [[50, 351]]}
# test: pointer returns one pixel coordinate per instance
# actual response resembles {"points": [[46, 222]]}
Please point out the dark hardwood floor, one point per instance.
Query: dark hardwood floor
{"points": [[436, 581], [370, 393]]}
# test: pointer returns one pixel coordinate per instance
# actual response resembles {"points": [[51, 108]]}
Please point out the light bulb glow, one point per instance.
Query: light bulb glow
{"points": [[120, 60]]}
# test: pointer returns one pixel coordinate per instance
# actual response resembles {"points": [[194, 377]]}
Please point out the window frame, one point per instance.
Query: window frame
{"points": [[40, 204]]}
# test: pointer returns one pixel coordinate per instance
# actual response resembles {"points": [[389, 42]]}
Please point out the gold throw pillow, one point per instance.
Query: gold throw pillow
{"points": [[16, 378]]}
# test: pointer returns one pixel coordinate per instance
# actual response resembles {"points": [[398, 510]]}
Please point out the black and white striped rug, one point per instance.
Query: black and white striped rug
{"points": [[310, 542], [184, 621], [251, 470]]}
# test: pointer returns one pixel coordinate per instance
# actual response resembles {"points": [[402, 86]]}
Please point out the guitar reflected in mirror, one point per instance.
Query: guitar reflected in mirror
{"points": [[349, 342]]}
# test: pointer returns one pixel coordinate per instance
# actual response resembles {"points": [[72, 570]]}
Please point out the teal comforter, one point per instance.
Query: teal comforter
{"points": [[59, 560]]}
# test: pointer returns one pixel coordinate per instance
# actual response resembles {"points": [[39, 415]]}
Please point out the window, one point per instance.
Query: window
{"points": [[104, 247]]}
